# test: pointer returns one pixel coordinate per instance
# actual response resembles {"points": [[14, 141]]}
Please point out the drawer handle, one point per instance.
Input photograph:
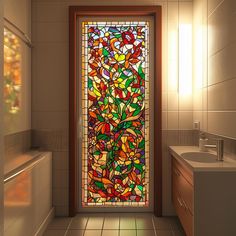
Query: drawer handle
{"points": [[180, 202], [177, 173], [185, 205]]}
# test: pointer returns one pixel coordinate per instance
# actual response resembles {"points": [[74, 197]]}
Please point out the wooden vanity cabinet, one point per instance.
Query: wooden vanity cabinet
{"points": [[204, 195], [182, 195]]}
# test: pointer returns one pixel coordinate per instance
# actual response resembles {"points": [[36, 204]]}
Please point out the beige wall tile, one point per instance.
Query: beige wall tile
{"points": [[50, 73], [61, 211], [50, 120], [213, 4], [221, 25], [60, 179], [222, 65], [185, 120], [164, 120], [204, 121], [197, 100], [173, 120], [50, 32], [42, 12], [60, 160], [164, 101], [205, 99], [222, 96], [173, 101], [198, 116], [222, 123], [186, 102], [19, 13], [60, 196]]}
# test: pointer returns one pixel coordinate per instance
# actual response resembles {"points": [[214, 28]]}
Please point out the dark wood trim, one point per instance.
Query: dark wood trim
{"points": [[72, 115], [74, 13]]}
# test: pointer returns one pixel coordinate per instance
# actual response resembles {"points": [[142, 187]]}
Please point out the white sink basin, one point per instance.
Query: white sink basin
{"points": [[203, 157]]}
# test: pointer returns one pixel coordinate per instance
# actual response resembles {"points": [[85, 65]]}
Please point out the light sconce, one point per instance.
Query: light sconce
{"points": [[185, 59]]}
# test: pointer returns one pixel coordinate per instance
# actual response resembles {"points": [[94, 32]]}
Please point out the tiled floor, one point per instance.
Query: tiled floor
{"points": [[112, 224]]}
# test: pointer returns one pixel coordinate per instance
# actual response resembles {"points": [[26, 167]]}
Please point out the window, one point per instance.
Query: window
{"points": [[115, 104]]}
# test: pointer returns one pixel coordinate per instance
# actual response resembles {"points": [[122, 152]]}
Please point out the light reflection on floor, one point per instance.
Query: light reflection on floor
{"points": [[115, 224]]}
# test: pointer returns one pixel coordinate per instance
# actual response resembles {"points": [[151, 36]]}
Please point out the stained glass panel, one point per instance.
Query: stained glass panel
{"points": [[115, 109], [12, 71]]}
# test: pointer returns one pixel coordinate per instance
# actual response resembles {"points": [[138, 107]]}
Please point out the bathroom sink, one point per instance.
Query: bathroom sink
{"points": [[203, 157]]}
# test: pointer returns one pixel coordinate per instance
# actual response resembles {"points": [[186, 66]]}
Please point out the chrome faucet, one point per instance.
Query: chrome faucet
{"points": [[219, 148]]}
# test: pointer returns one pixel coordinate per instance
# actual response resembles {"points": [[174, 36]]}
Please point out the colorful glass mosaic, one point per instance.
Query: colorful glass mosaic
{"points": [[115, 104], [12, 72]]}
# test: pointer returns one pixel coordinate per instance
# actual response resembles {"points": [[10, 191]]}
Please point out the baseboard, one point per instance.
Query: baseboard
{"points": [[45, 223]]}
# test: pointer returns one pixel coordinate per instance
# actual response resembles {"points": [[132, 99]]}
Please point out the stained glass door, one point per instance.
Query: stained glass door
{"points": [[115, 122]]}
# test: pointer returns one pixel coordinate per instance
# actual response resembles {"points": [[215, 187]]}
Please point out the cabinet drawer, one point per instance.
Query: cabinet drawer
{"points": [[188, 175], [182, 196], [184, 215], [182, 185]]}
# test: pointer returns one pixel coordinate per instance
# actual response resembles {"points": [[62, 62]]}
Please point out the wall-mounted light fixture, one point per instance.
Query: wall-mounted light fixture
{"points": [[185, 59]]}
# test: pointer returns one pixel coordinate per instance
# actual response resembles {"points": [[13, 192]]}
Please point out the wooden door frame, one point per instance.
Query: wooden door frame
{"points": [[74, 13]]}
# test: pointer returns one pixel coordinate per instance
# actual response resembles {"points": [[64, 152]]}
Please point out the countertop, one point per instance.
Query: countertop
{"points": [[228, 164]]}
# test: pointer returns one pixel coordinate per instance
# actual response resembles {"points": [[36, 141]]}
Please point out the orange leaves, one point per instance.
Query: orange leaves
{"points": [[93, 114], [93, 73]]}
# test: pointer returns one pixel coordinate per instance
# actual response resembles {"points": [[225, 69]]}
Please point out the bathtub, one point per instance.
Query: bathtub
{"points": [[27, 194]]}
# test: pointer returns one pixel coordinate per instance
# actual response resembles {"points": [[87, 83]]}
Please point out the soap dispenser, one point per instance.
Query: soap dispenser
{"points": [[202, 142]]}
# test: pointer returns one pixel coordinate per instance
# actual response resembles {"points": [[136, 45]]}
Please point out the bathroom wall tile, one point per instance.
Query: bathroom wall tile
{"points": [[52, 140], [213, 4], [221, 65], [222, 96], [173, 120], [221, 27], [60, 160], [50, 77], [61, 210], [185, 102], [19, 13], [185, 120], [204, 121], [186, 138], [42, 12], [222, 123], [205, 99], [185, 12], [173, 101], [164, 120], [50, 120], [197, 100], [198, 116], [50, 32], [60, 196], [60, 179], [173, 137], [164, 101]]}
